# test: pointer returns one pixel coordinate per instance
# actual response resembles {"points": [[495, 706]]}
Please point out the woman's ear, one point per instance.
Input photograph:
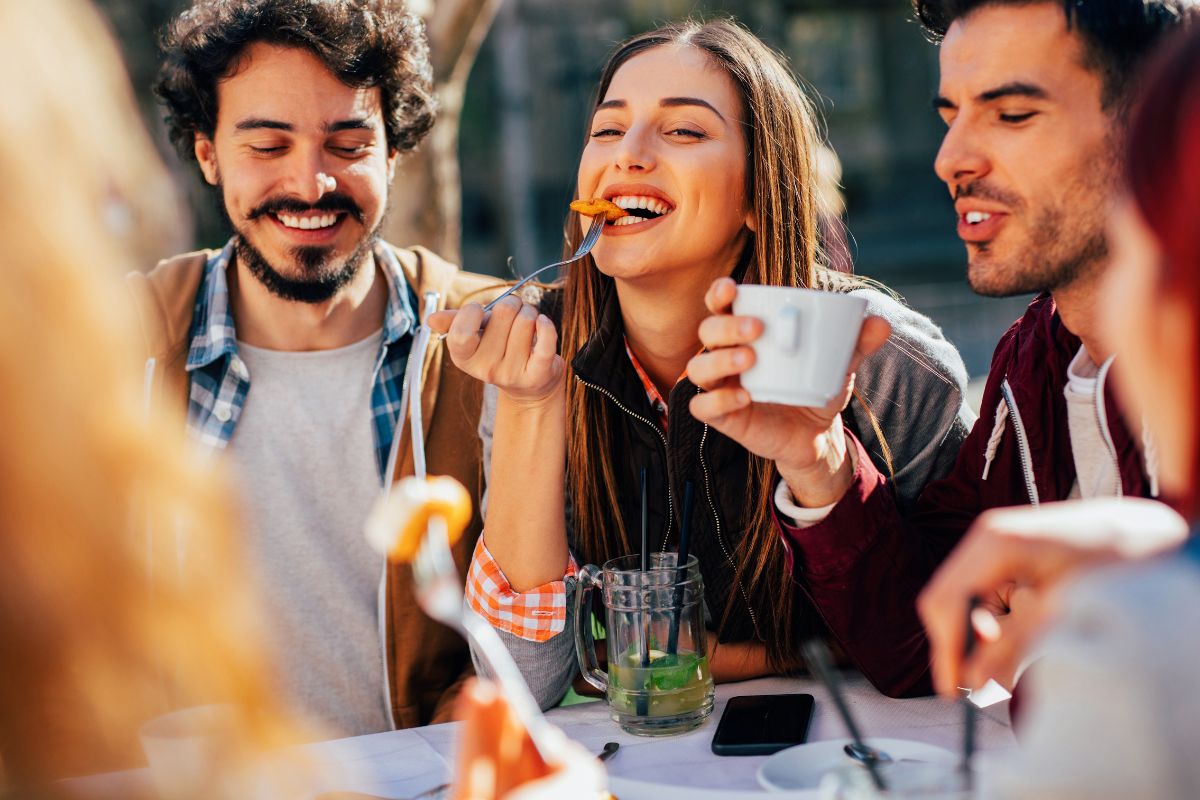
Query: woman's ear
{"points": [[752, 220]]}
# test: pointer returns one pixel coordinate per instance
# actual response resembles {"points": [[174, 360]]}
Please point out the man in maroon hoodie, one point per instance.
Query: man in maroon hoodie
{"points": [[1033, 96]]}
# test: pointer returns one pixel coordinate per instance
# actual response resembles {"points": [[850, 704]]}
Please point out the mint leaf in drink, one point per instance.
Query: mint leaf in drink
{"points": [[674, 671]]}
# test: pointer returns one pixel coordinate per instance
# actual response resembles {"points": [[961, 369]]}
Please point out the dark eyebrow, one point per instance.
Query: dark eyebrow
{"points": [[940, 103], [254, 123], [667, 102], [1013, 89], [361, 124], [670, 102]]}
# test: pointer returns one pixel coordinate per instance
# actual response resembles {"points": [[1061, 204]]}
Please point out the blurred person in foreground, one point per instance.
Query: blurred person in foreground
{"points": [[99, 631], [289, 346], [1111, 709]]}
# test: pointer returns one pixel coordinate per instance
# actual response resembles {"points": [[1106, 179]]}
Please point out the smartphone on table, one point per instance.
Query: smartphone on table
{"points": [[759, 725]]}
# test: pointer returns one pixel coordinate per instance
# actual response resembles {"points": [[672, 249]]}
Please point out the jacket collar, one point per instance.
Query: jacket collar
{"points": [[1042, 350], [213, 334], [603, 360]]}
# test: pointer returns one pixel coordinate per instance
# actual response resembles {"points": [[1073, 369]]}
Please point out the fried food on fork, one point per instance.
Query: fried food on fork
{"points": [[597, 206]]}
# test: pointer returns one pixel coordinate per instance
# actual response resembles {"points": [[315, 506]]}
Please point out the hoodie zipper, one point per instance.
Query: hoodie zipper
{"points": [[1022, 442], [1102, 422], [661, 436], [720, 537]]}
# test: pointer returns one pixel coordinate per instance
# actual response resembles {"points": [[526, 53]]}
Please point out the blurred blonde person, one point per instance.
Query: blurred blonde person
{"points": [[98, 629]]}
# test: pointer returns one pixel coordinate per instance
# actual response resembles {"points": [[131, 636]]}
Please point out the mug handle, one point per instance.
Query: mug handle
{"points": [[589, 578], [787, 329]]}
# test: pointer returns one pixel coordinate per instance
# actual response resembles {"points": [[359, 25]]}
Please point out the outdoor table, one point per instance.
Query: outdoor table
{"points": [[400, 764]]}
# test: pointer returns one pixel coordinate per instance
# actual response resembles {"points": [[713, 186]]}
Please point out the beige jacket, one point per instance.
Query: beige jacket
{"points": [[427, 662]]}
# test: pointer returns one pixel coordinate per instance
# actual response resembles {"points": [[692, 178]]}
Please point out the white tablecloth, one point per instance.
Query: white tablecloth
{"points": [[400, 764]]}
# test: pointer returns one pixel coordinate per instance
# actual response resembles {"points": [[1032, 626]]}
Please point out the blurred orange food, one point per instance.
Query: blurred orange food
{"points": [[400, 518], [497, 759]]}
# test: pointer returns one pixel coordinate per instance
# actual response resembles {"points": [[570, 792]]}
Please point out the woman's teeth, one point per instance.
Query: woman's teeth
{"points": [[640, 208], [307, 223], [975, 217]]}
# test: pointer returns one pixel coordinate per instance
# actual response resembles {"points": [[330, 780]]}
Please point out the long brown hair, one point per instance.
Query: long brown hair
{"points": [[782, 142], [99, 630]]}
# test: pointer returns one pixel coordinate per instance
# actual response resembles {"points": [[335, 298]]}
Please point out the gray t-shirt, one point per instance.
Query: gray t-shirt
{"points": [[304, 460]]}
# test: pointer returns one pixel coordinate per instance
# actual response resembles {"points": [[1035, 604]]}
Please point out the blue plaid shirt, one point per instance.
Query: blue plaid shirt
{"points": [[220, 381]]}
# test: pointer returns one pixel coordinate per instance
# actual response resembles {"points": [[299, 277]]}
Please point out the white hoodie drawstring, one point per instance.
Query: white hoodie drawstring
{"points": [[994, 440], [1150, 456]]}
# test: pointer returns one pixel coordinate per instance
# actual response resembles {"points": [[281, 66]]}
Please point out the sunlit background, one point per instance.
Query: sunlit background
{"points": [[523, 72]]}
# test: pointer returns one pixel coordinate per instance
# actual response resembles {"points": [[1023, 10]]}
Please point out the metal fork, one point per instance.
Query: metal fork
{"points": [[439, 593], [589, 241]]}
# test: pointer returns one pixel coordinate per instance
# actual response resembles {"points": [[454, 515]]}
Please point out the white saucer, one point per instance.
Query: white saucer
{"points": [[627, 789], [802, 766]]}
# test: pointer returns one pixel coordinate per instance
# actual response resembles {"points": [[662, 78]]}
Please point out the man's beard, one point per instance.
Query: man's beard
{"points": [[320, 276], [1065, 241]]}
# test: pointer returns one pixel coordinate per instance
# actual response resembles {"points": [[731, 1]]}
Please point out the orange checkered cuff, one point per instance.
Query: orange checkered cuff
{"points": [[535, 615]]}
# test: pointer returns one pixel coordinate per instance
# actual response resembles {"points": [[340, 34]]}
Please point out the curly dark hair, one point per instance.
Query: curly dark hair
{"points": [[365, 43], [1118, 35]]}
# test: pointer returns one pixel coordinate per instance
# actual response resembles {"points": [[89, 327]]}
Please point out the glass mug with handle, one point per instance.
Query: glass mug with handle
{"points": [[657, 681]]}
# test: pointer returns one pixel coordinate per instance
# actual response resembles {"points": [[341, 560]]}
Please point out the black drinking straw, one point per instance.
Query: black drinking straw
{"points": [[685, 531], [970, 710], [816, 656], [644, 644]]}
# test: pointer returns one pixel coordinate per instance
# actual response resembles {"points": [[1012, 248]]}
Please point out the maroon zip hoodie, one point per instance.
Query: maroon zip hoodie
{"points": [[864, 565]]}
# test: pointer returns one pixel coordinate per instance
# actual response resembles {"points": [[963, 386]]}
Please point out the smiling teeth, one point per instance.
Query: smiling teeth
{"points": [[652, 204], [307, 223], [975, 217]]}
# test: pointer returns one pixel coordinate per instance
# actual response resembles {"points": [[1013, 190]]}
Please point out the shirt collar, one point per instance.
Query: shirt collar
{"points": [[399, 319], [213, 335]]}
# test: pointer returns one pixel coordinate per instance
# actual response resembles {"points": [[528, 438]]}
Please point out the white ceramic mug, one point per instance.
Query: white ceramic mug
{"points": [[808, 338]]}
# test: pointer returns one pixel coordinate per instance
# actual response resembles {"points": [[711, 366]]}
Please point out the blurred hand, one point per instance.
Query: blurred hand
{"points": [[496, 758], [1016, 559], [808, 445], [516, 350]]}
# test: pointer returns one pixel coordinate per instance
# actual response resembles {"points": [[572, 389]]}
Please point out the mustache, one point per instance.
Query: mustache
{"points": [[981, 190], [332, 202]]}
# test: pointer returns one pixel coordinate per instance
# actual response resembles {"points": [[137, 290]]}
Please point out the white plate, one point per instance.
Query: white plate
{"points": [[626, 789], [802, 766]]}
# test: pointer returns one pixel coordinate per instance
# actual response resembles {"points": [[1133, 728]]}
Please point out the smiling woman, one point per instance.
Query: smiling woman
{"points": [[704, 137]]}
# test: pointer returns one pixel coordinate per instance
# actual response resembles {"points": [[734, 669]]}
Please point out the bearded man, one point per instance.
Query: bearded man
{"points": [[289, 346]]}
